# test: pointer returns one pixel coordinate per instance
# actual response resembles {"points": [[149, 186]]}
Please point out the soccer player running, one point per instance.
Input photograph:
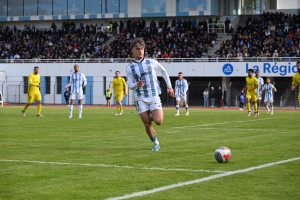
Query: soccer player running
{"points": [[259, 88], [181, 87], [296, 81], [120, 87], [251, 85], [77, 82], [268, 89], [141, 77], [34, 93]]}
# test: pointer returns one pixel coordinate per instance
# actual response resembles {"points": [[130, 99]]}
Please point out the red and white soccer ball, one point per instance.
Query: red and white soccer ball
{"points": [[223, 154]]}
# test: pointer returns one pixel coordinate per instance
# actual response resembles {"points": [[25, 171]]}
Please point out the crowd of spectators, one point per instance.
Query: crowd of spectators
{"points": [[67, 42], [175, 39], [164, 39], [267, 37]]}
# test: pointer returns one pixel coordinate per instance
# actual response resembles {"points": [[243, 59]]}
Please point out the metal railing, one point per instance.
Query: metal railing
{"points": [[169, 60], [216, 27]]}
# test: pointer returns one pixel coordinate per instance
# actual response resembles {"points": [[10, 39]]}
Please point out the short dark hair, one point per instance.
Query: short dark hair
{"points": [[35, 67], [137, 42], [298, 62], [251, 70], [256, 71], [180, 73], [117, 72]]}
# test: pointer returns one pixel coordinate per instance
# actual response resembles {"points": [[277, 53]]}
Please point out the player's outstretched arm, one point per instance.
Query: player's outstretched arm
{"points": [[164, 72], [176, 89], [125, 87], [293, 87], [165, 75], [245, 88], [171, 92], [186, 86], [84, 80], [131, 82], [262, 91], [71, 82], [293, 83]]}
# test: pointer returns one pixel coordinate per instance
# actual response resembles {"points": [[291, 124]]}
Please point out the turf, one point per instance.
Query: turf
{"points": [[102, 155]]}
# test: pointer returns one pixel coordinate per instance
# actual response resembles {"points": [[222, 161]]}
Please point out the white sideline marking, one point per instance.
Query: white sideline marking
{"points": [[222, 123], [167, 187], [247, 129], [114, 166]]}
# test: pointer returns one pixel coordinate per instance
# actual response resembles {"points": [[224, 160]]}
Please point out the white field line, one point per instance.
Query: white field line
{"points": [[167, 187], [248, 129], [221, 123], [238, 129], [114, 166]]}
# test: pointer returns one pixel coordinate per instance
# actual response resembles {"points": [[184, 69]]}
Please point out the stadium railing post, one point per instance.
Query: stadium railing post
{"points": [[1, 95], [296, 96], [54, 89], [20, 91], [230, 97], [1, 99]]}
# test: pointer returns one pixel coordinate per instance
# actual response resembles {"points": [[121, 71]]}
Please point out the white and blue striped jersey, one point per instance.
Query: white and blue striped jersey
{"points": [[268, 88], [145, 70], [260, 81], [77, 81], [181, 86]]}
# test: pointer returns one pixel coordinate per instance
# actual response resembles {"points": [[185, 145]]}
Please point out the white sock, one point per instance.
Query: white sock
{"points": [[71, 109], [267, 107], [272, 108], [80, 109], [177, 109]]}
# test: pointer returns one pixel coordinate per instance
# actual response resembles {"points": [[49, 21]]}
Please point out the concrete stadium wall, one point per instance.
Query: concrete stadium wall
{"points": [[288, 4]]}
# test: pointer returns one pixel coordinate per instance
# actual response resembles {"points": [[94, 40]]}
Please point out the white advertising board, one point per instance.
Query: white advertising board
{"points": [[210, 69]]}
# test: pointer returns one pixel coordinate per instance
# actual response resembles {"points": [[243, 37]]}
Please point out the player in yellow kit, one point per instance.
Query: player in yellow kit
{"points": [[34, 93], [251, 85], [296, 80], [120, 88]]}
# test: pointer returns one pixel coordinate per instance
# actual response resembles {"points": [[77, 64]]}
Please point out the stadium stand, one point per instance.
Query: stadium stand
{"points": [[186, 38], [65, 43], [266, 36], [183, 39]]}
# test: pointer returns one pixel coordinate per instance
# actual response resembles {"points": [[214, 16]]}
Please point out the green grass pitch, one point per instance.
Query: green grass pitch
{"points": [[104, 156]]}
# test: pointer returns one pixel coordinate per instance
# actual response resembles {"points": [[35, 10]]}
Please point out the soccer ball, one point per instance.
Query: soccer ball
{"points": [[223, 154]]}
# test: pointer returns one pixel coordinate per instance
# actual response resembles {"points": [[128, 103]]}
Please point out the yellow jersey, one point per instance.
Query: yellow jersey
{"points": [[251, 84], [33, 81], [119, 85], [296, 79]]}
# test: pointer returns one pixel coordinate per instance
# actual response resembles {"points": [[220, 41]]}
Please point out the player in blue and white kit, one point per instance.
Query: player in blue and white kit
{"points": [[268, 89], [181, 87], [141, 77], [77, 82], [259, 88]]}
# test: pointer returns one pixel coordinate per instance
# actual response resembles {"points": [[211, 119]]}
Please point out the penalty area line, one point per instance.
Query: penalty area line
{"points": [[167, 187], [221, 123], [115, 166]]}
